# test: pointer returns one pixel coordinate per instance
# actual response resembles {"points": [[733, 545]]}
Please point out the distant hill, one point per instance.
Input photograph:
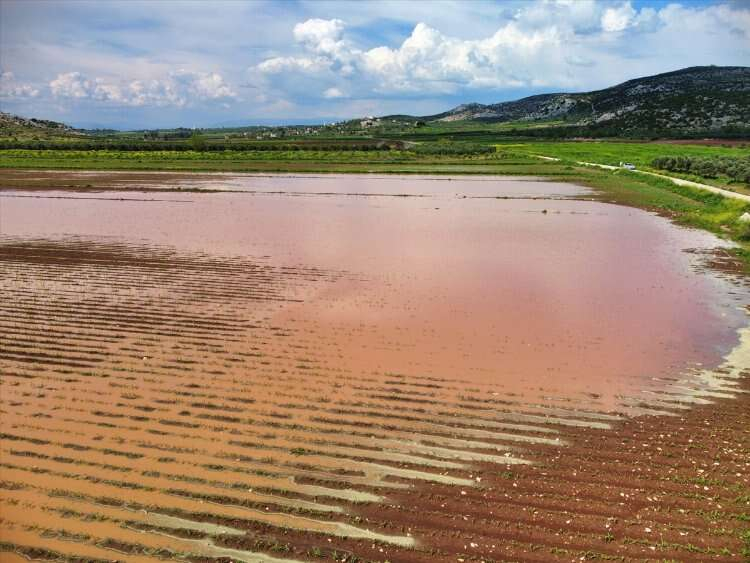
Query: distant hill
{"points": [[21, 127], [702, 101], [701, 98]]}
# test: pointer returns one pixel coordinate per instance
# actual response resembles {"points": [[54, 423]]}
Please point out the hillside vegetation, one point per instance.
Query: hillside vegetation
{"points": [[14, 127], [708, 99]]}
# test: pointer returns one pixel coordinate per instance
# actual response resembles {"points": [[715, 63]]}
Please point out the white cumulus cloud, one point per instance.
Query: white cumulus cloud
{"points": [[71, 85], [11, 88], [551, 45], [333, 93], [619, 18], [427, 60], [320, 35], [178, 88], [277, 65]]}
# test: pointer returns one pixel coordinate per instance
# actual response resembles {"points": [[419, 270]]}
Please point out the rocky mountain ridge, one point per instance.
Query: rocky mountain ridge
{"points": [[707, 97]]}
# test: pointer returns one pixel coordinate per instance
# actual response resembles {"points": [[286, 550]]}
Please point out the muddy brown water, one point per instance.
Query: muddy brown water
{"points": [[273, 353]]}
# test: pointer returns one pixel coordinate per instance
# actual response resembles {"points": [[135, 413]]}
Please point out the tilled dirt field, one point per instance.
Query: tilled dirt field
{"points": [[166, 403]]}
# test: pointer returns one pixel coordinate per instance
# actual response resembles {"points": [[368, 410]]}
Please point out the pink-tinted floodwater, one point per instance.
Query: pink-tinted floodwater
{"points": [[498, 282]]}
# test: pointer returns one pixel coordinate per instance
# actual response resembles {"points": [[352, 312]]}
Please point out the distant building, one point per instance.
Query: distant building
{"points": [[369, 121]]}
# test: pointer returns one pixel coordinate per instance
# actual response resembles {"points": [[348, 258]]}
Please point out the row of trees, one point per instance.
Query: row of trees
{"points": [[193, 144], [447, 148], [738, 169]]}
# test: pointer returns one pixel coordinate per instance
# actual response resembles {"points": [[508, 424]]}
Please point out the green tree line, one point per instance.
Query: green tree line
{"points": [[191, 144], [736, 168]]}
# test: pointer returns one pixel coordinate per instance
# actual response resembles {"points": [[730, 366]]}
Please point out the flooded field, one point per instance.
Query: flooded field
{"points": [[263, 368]]}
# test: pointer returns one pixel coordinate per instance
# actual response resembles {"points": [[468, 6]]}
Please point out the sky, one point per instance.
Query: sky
{"points": [[133, 64]]}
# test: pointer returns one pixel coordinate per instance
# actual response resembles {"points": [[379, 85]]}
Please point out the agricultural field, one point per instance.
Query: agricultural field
{"points": [[374, 282], [642, 155], [260, 386], [487, 149], [274, 384]]}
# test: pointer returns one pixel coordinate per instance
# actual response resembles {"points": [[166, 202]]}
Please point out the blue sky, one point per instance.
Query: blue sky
{"points": [[167, 63]]}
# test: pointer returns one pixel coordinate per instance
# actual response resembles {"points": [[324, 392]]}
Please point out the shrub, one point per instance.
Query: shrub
{"points": [[735, 168]]}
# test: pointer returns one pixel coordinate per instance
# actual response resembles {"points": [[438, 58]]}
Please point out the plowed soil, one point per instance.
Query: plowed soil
{"points": [[255, 368]]}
